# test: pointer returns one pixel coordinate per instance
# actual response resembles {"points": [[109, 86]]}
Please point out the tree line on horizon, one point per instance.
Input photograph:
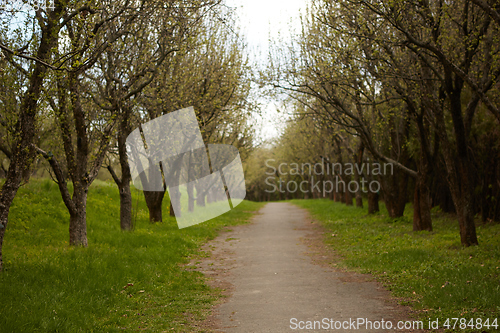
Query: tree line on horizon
{"points": [[407, 82]]}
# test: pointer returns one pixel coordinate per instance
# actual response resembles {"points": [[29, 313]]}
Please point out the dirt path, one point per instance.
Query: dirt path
{"points": [[276, 269]]}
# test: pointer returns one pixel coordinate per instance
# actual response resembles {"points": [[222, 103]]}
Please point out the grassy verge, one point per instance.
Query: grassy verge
{"points": [[122, 281], [428, 270]]}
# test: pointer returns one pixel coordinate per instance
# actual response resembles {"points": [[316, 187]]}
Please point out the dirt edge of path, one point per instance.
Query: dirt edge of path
{"points": [[324, 256], [217, 265]]}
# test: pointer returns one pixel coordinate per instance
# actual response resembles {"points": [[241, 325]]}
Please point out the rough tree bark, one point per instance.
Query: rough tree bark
{"points": [[78, 171], [395, 189], [154, 201], [459, 167], [123, 182], [422, 206], [78, 216]]}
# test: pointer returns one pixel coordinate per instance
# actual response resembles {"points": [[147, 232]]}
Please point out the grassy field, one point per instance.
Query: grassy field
{"points": [[123, 281], [428, 270]]}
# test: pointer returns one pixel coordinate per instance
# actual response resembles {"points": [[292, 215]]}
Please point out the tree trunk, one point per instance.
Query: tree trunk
{"points": [[359, 201], [421, 206], [395, 189], [126, 177], [171, 209], [78, 217], [200, 197], [348, 197], [395, 185], [154, 201], [123, 183], [422, 197], [125, 206], [459, 167], [359, 198], [3, 223], [465, 214], [191, 198], [402, 196], [357, 176], [462, 199], [313, 190], [464, 204], [8, 192], [373, 203], [468, 235], [337, 196], [331, 195], [175, 198]]}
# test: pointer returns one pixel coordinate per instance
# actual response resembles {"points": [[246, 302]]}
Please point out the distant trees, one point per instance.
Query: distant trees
{"points": [[210, 73], [130, 66], [415, 82]]}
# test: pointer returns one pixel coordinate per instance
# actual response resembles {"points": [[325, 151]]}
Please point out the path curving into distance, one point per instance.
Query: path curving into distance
{"points": [[272, 278]]}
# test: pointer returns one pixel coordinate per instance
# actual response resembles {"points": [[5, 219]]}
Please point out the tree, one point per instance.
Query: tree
{"points": [[132, 64], [329, 70], [455, 45], [41, 43], [212, 75], [413, 80], [85, 132]]}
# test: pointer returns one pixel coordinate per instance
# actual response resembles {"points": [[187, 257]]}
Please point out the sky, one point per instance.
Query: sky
{"points": [[260, 20]]}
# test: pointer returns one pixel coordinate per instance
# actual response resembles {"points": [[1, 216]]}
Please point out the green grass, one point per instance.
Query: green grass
{"points": [[430, 271], [48, 286]]}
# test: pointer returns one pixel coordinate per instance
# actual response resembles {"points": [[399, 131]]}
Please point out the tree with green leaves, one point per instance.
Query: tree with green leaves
{"points": [[211, 73], [29, 52], [85, 132]]}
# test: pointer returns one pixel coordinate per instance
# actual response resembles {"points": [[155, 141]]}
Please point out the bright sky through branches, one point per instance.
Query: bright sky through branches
{"points": [[261, 20]]}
